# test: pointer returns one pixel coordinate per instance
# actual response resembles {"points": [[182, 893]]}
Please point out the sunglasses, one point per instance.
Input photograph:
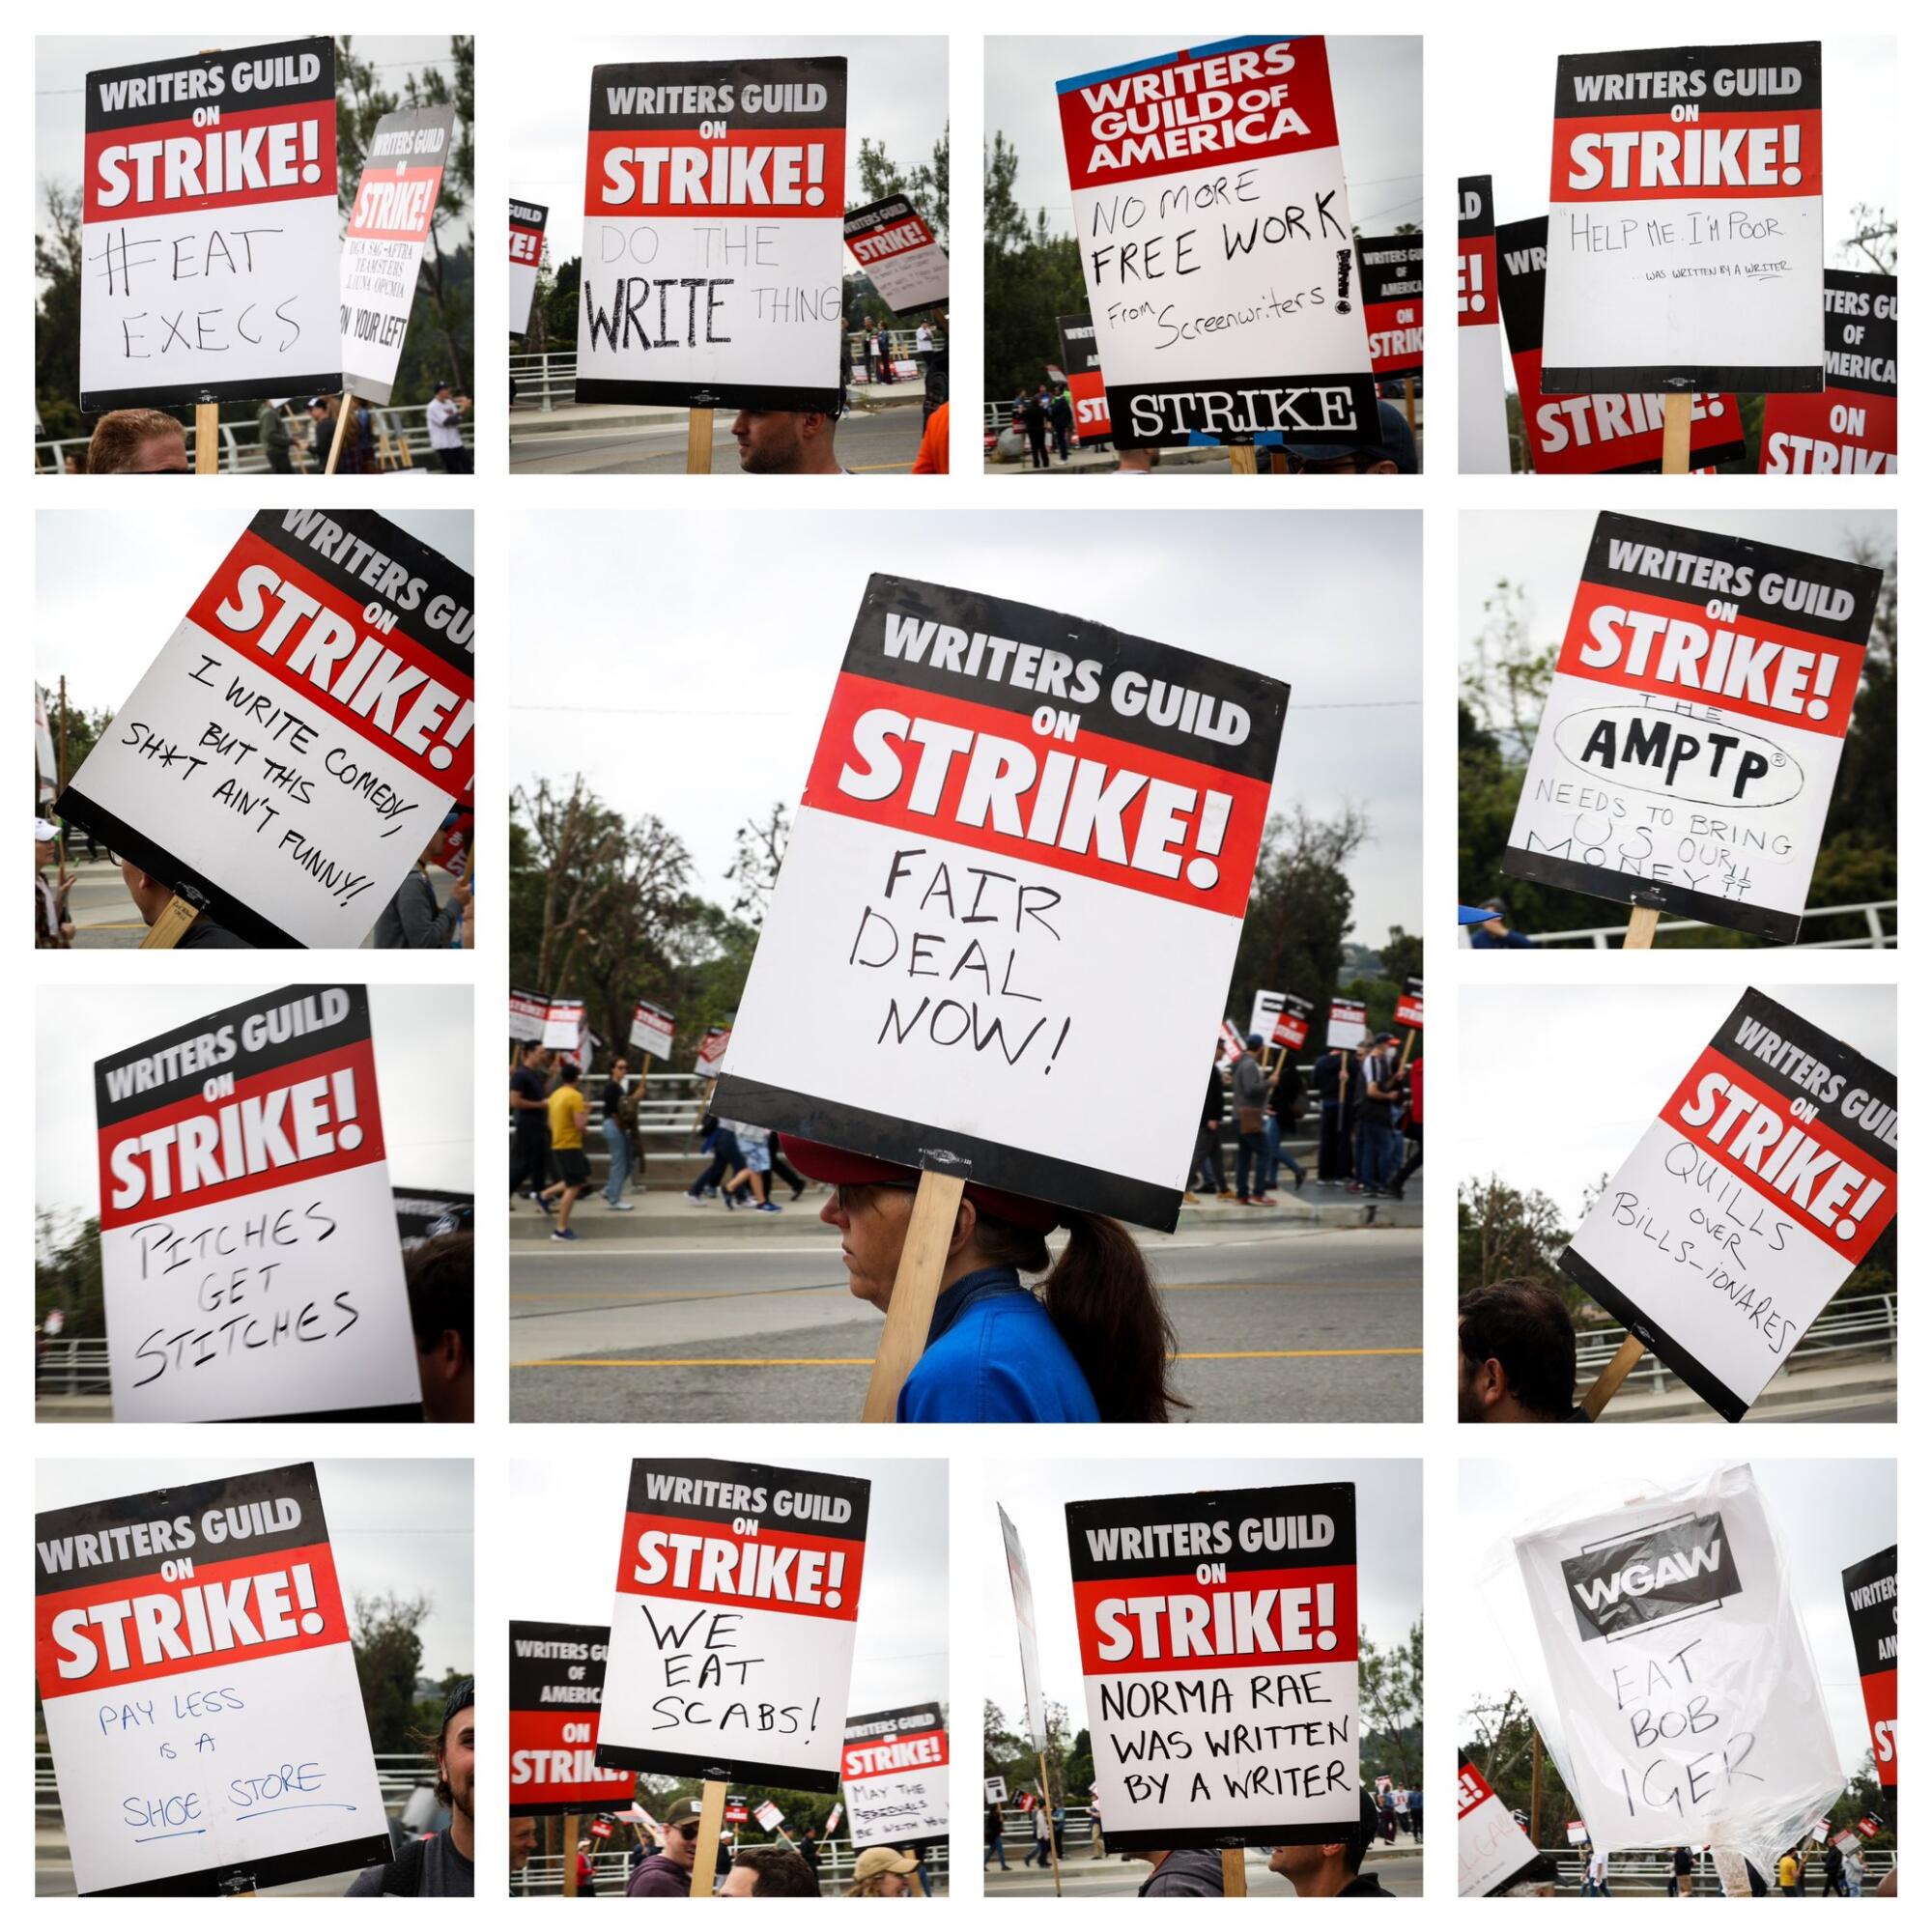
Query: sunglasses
{"points": [[686, 1831]]}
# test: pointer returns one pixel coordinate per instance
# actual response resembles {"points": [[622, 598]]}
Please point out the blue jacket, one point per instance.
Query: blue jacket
{"points": [[994, 1355]]}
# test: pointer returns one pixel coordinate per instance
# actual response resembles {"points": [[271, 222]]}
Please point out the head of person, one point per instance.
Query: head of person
{"points": [[1316, 1871], [677, 1835], [442, 392], [535, 1055], [522, 1842], [456, 1750], [1394, 457], [1254, 1042], [567, 1073], [1098, 1292], [882, 1873], [441, 1275], [150, 896], [321, 408], [46, 841], [1138, 462], [1517, 1357], [786, 443], [137, 442], [1498, 920], [769, 1871]]}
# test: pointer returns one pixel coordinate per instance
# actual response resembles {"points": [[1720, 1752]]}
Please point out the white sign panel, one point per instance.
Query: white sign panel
{"points": [[895, 1771], [651, 1030], [1482, 418], [1021, 1584], [1493, 1850], [527, 219], [891, 241]]}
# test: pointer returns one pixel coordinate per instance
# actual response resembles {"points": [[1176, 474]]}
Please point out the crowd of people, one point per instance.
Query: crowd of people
{"points": [[1366, 1109], [293, 436], [1841, 1873]]}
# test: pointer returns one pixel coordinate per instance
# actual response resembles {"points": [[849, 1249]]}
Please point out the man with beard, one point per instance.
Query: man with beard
{"points": [[1517, 1358], [441, 1866]]}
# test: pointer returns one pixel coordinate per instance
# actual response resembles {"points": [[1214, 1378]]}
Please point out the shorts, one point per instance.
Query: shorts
{"points": [[572, 1168], [759, 1158]]}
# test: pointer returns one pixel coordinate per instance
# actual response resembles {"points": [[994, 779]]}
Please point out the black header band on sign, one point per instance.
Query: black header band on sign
{"points": [[1879, 1082], [877, 214], [173, 395], [1264, 700], [853, 1490], [340, 537], [1398, 275], [1091, 1191], [1519, 286], [528, 214], [1878, 1619], [1242, 1837], [1624, 888], [1878, 334], [1679, 1361], [1079, 350], [1860, 580], [193, 1500], [1261, 407], [695, 395], [715, 1770], [1480, 223], [242, 1062], [531, 1676], [874, 1724], [824, 71], [1654, 96], [1657, 378], [1334, 1500], [346, 1855], [101, 120]]}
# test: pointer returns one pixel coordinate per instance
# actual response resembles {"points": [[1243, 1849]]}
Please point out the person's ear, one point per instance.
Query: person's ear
{"points": [[964, 1222]]}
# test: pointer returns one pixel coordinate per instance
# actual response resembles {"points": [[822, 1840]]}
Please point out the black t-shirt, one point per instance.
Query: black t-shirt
{"points": [[613, 1098], [528, 1083], [1328, 1076], [1364, 1884]]}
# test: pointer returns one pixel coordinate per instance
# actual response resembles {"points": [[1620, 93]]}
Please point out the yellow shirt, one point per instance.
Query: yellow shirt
{"points": [[566, 1118], [1788, 1873]]}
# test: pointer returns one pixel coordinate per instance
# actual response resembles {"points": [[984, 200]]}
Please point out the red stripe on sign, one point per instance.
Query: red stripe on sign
{"points": [[1476, 284], [1291, 1033], [552, 1760], [123, 1633], [260, 155], [395, 204], [900, 238], [389, 688], [1472, 1790], [1732, 155], [527, 246], [1408, 1012], [1835, 433], [1395, 335], [1671, 648], [1881, 1695], [1825, 1185], [791, 174], [1148, 820], [1586, 435], [883, 1758], [690, 1561], [1257, 1618], [327, 1098], [1199, 113]]}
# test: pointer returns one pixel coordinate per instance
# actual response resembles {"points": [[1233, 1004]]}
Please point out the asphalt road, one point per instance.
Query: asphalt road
{"points": [[1081, 1877], [867, 443], [1278, 1325]]}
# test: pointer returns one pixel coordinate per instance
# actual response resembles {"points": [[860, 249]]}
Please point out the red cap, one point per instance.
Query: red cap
{"points": [[843, 1167]]}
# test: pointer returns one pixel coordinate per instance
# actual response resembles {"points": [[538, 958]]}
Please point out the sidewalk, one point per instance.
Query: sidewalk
{"points": [[1790, 1388]]}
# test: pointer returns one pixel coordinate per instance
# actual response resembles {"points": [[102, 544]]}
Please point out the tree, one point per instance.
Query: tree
{"points": [[1390, 1685], [1300, 908], [928, 187], [387, 1644], [1401, 957], [67, 1274], [1502, 1744], [1032, 278], [1505, 1235], [757, 855], [57, 312]]}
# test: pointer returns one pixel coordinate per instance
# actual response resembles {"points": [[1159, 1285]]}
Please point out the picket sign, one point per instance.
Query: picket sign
{"points": [[346, 420], [915, 1290], [697, 444], [177, 915], [1052, 1843]]}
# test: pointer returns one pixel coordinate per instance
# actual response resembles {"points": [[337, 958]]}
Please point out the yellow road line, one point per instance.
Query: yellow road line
{"points": [[866, 1361], [867, 469]]}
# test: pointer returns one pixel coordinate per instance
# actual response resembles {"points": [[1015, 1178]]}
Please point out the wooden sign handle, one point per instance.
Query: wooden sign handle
{"points": [[1409, 401], [697, 444], [206, 438], [342, 422], [1641, 929], [570, 1855], [1407, 1048], [1234, 1874], [1241, 460], [1606, 1384], [915, 1289], [1052, 1843], [1677, 433], [710, 1828], [176, 916]]}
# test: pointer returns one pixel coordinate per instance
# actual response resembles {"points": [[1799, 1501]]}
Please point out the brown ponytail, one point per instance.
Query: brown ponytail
{"points": [[1103, 1303]]}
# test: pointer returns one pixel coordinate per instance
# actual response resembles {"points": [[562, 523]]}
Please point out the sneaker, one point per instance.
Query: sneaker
{"points": [[798, 1194], [1228, 1194], [563, 1234], [695, 1200], [621, 1207], [1192, 1199], [1298, 1179], [768, 1208], [731, 1200], [1264, 1201], [543, 1204]]}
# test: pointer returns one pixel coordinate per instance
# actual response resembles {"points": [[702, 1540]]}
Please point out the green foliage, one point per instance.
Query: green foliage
{"points": [[1390, 1686], [66, 1275], [928, 186], [1299, 913], [1503, 1233], [388, 1658], [1033, 278], [1501, 1744]]}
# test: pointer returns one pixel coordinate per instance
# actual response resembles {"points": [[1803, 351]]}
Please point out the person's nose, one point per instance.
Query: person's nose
{"points": [[832, 1214], [741, 424]]}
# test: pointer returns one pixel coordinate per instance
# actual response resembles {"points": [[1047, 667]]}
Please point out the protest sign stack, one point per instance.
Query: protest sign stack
{"points": [[1212, 220], [1391, 269], [299, 739], [714, 237], [1849, 427], [389, 224], [1583, 435], [732, 1632], [209, 225], [199, 1690], [250, 1267], [1217, 1641], [528, 220], [1766, 1179], [1679, 1697], [1015, 823], [1481, 418], [895, 1773], [891, 241], [1686, 242], [1027, 1622], [1871, 1602], [1493, 1850], [1690, 739], [1086, 385]]}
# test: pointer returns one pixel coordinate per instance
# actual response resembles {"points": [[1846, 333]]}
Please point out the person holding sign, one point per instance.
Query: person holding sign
{"points": [[443, 1865], [1092, 1344], [137, 442], [665, 1874], [1517, 1355], [1332, 1870]]}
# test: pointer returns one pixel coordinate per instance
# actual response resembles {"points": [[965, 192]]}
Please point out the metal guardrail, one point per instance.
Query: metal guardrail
{"points": [[398, 1773], [406, 428], [1646, 1871], [1865, 1324], [611, 1867], [1875, 915]]}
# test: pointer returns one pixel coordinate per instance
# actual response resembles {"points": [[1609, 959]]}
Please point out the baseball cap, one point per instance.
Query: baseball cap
{"points": [[882, 1858], [1254, 1039], [839, 1167], [462, 1697], [44, 830], [1398, 444], [1473, 915]]}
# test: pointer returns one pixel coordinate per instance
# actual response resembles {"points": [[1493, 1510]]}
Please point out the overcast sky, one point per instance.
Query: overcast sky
{"points": [[699, 695], [63, 62], [424, 1068], [1828, 1514], [398, 1529], [1625, 1047], [901, 1657], [101, 628], [1035, 1494], [1518, 68], [896, 97], [1377, 82]]}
